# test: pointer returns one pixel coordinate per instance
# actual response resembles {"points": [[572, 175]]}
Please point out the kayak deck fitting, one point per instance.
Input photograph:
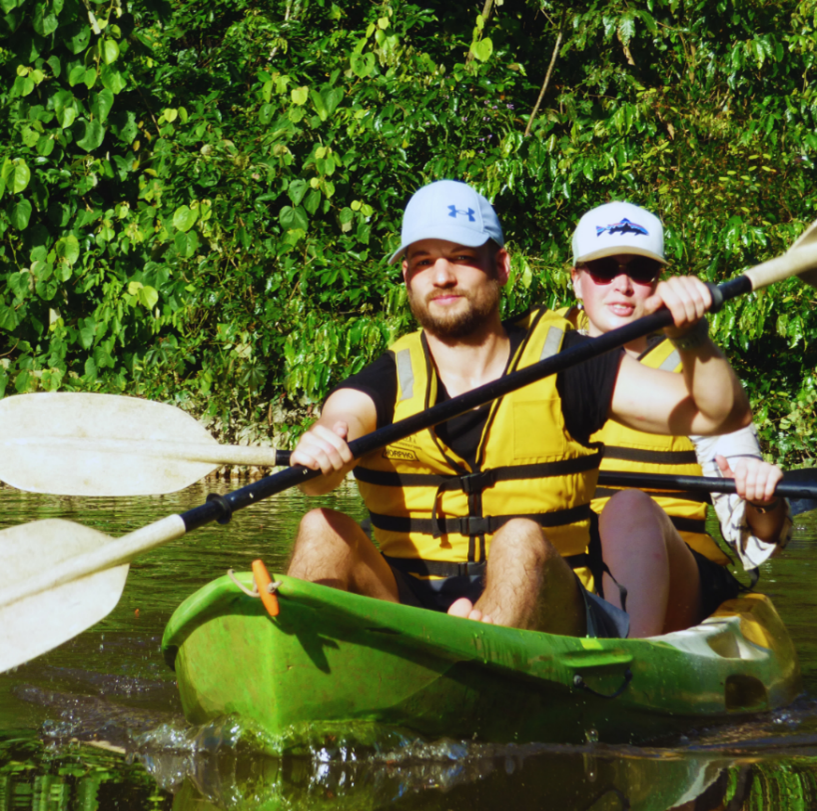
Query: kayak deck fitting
{"points": [[331, 657]]}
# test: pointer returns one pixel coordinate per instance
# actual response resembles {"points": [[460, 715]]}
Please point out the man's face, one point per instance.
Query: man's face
{"points": [[611, 303], [453, 289]]}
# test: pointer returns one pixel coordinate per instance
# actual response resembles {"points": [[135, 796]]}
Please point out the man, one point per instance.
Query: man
{"points": [[657, 548], [488, 515]]}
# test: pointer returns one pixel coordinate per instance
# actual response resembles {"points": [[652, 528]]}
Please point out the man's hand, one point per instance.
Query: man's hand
{"points": [[686, 297], [347, 415], [323, 449], [755, 480]]}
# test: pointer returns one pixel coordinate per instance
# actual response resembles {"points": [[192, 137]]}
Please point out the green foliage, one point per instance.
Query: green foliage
{"points": [[196, 200]]}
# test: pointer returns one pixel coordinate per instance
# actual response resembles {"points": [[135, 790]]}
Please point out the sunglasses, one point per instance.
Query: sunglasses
{"points": [[641, 269]]}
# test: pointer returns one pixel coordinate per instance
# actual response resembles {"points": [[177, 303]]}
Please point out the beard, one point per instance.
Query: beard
{"points": [[461, 324]]}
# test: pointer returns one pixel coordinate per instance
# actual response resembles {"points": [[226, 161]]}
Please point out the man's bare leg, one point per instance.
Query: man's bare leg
{"points": [[332, 549], [527, 584], [647, 556]]}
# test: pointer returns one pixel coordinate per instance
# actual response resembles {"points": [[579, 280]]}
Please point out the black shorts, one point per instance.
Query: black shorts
{"points": [[718, 584], [604, 620]]}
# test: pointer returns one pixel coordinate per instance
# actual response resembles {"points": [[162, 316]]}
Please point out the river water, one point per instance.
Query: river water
{"points": [[97, 724]]}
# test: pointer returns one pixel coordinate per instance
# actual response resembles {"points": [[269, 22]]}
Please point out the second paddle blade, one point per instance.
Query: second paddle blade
{"points": [[53, 613]]}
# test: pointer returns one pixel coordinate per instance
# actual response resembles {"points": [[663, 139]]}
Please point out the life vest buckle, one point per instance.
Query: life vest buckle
{"points": [[477, 482], [474, 525]]}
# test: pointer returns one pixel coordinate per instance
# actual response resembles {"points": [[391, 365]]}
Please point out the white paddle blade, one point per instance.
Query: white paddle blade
{"points": [[38, 624], [53, 613], [78, 444], [800, 260]]}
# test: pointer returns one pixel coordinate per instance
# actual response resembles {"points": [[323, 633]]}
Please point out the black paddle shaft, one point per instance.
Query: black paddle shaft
{"points": [[220, 508], [788, 488]]}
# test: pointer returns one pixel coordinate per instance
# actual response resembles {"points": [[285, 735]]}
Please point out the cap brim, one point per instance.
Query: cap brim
{"points": [[619, 250], [459, 236]]}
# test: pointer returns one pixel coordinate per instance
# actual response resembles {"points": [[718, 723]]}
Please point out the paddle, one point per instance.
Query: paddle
{"points": [[41, 606], [77, 444], [798, 485]]}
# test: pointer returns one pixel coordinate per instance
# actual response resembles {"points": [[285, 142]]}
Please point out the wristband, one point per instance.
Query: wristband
{"points": [[694, 338]]}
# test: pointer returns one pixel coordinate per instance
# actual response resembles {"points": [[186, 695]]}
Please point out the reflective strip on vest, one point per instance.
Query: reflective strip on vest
{"points": [[404, 374]]}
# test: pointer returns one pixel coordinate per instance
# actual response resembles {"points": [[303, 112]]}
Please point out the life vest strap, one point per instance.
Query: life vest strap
{"points": [[449, 568], [650, 457], [697, 498], [481, 480], [471, 525]]}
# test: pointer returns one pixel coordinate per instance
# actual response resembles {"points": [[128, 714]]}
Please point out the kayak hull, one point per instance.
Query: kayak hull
{"points": [[334, 658]]}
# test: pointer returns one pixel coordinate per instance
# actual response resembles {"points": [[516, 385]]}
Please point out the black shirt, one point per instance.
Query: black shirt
{"points": [[586, 391]]}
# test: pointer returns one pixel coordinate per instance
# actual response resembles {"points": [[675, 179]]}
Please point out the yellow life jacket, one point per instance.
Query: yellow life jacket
{"points": [[429, 505], [628, 450]]}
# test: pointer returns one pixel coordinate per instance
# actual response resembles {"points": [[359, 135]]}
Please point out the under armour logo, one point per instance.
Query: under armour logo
{"points": [[453, 211]]}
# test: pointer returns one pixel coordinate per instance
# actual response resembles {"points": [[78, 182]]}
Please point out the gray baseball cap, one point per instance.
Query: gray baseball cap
{"points": [[450, 210]]}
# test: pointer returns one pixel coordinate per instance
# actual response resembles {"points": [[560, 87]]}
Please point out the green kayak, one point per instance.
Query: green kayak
{"points": [[332, 659]]}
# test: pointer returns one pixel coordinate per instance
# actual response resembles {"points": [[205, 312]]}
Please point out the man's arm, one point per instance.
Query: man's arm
{"points": [[706, 399], [347, 414]]}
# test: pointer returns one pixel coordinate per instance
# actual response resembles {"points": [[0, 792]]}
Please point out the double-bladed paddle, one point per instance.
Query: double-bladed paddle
{"points": [[82, 444], [58, 577]]}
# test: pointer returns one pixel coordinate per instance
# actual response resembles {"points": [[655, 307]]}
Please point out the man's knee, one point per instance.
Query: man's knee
{"points": [[322, 528], [322, 520], [524, 540]]}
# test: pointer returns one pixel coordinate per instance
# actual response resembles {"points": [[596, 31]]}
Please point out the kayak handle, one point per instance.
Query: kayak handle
{"points": [[579, 682]]}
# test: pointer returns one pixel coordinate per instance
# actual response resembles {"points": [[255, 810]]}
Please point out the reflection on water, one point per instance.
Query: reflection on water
{"points": [[110, 688]]}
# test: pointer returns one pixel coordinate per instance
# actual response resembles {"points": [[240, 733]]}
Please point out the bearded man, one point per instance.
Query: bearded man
{"points": [[487, 516]]}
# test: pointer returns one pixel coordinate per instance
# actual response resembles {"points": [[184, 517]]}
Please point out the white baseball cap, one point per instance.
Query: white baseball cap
{"points": [[450, 210], [618, 228]]}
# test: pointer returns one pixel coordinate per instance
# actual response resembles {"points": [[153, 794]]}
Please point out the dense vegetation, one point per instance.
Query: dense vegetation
{"points": [[196, 198]]}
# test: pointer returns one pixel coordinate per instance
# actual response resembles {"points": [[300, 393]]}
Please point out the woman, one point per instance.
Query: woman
{"points": [[672, 573]]}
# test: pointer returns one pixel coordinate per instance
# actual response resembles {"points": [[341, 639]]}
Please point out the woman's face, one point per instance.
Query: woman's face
{"points": [[611, 302]]}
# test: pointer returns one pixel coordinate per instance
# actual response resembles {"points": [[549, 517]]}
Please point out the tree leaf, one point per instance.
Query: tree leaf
{"points": [[112, 79], [43, 22], [148, 296], [110, 51], [292, 218], [21, 214], [87, 333], [362, 64], [483, 49], [101, 104], [186, 244], [20, 176], [79, 37], [93, 137], [67, 249], [296, 191], [184, 218], [312, 201], [76, 75], [299, 95], [320, 104], [8, 318]]}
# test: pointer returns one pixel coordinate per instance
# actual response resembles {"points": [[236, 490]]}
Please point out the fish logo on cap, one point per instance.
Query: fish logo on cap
{"points": [[625, 226]]}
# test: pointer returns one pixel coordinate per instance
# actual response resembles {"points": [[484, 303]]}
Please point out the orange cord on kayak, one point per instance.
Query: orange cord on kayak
{"points": [[262, 582]]}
